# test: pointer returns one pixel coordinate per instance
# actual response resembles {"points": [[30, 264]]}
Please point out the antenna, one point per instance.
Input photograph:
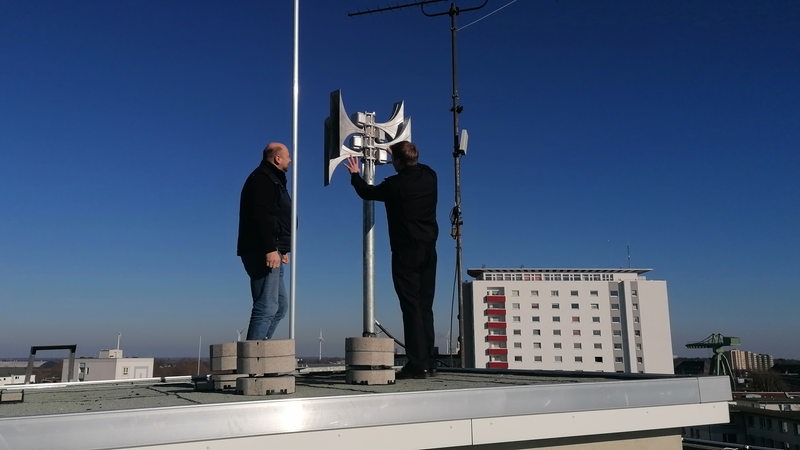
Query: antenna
{"points": [[119, 336], [629, 254], [455, 215]]}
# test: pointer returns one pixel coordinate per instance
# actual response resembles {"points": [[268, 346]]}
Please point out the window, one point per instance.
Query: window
{"points": [[515, 318], [579, 359], [517, 332], [593, 293], [576, 345], [574, 306], [556, 319], [618, 359], [636, 319], [617, 346], [637, 332], [596, 319], [534, 293], [576, 319], [515, 292], [573, 293], [556, 344], [554, 293], [558, 359], [555, 306], [614, 293], [124, 370], [576, 332], [639, 359], [536, 318], [638, 346], [635, 306], [556, 332], [518, 358], [615, 320], [596, 333], [595, 305], [616, 332], [634, 292], [615, 306], [534, 306], [537, 359], [598, 345], [537, 345], [537, 332], [517, 344], [598, 359], [515, 306]]}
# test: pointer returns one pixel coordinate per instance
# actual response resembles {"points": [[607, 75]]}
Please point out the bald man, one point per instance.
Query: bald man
{"points": [[265, 211]]}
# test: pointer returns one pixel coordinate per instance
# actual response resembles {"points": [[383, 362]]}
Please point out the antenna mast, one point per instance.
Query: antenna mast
{"points": [[456, 220]]}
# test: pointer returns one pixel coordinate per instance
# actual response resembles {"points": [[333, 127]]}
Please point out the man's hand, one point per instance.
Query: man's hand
{"points": [[352, 164], [285, 258], [273, 259]]}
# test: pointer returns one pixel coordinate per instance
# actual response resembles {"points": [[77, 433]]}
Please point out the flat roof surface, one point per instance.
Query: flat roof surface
{"points": [[77, 397], [464, 406]]}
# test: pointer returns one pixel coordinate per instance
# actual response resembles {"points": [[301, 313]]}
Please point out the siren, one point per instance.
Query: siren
{"points": [[337, 128]]}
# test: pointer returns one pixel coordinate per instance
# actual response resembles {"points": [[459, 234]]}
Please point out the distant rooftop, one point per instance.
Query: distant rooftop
{"points": [[478, 272]]}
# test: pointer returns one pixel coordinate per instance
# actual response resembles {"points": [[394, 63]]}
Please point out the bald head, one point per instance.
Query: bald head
{"points": [[277, 154]]}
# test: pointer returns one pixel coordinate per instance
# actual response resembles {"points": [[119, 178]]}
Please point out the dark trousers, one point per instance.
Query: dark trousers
{"points": [[414, 277]]}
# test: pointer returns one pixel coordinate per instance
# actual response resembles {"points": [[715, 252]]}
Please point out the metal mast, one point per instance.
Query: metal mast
{"points": [[459, 148]]}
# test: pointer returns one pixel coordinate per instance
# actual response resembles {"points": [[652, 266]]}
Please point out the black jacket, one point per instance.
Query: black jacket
{"points": [[265, 211], [410, 197]]}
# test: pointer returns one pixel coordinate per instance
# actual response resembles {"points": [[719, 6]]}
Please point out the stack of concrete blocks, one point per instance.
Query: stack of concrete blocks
{"points": [[266, 367], [223, 366], [369, 360]]}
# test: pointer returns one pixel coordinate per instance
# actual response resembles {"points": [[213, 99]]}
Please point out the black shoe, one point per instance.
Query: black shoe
{"points": [[408, 374], [432, 372]]}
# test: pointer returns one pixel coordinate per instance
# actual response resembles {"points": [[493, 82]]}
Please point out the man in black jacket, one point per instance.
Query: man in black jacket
{"points": [[410, 198], [265, 211]]}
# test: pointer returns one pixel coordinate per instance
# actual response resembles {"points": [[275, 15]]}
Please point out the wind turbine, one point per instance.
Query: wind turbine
{"points": [[321, 340]]}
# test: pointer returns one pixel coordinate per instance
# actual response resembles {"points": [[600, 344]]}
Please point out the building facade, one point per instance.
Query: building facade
{"points": [[607, 320], [744, 361], [763, 419], [110, 365]]}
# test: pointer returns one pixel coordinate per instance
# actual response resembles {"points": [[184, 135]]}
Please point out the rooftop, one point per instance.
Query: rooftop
{"points": [[456, 408]]}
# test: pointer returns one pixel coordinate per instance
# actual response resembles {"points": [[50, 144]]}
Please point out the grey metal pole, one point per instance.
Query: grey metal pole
{"points": [[295, 91], [369, 251]]}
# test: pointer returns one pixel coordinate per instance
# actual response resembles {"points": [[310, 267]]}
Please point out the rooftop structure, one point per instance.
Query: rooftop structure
{"points": [[582, 319], [457, 408]]}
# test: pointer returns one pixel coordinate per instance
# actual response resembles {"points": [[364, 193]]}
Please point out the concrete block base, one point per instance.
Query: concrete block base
{"points": [[265, 385], [370, 376]]}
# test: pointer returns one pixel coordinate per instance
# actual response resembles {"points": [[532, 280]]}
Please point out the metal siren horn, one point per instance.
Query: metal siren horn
{"points": [[337, 128]]}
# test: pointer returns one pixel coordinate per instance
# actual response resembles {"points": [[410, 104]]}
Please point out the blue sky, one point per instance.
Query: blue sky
{"points": [[128, 127]]}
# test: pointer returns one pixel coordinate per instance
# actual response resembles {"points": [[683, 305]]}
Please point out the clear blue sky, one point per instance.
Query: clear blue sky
{"points": [[128, 127]]}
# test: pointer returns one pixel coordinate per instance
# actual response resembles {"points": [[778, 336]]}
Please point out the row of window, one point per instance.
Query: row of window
{"points": [[557, 293], [558, 345], [557, 332], [595, 306], [577, 359]]}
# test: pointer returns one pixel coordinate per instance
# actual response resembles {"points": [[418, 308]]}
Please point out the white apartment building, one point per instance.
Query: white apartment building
{"points": [[607, 320], [742, 360], [110, 365]]}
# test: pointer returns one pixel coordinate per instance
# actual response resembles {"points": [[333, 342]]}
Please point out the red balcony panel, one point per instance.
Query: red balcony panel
{"points": [[497, 365], [497, 351], [495, 312], [496, 325], [495, 299], [495, 338]]}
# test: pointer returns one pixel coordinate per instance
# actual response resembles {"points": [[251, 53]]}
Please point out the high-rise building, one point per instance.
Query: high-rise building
{"points": [[742, 360], [609, 320]]}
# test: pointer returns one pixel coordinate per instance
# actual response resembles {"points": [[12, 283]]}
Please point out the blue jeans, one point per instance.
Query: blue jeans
{"points": [[270, 301]]}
